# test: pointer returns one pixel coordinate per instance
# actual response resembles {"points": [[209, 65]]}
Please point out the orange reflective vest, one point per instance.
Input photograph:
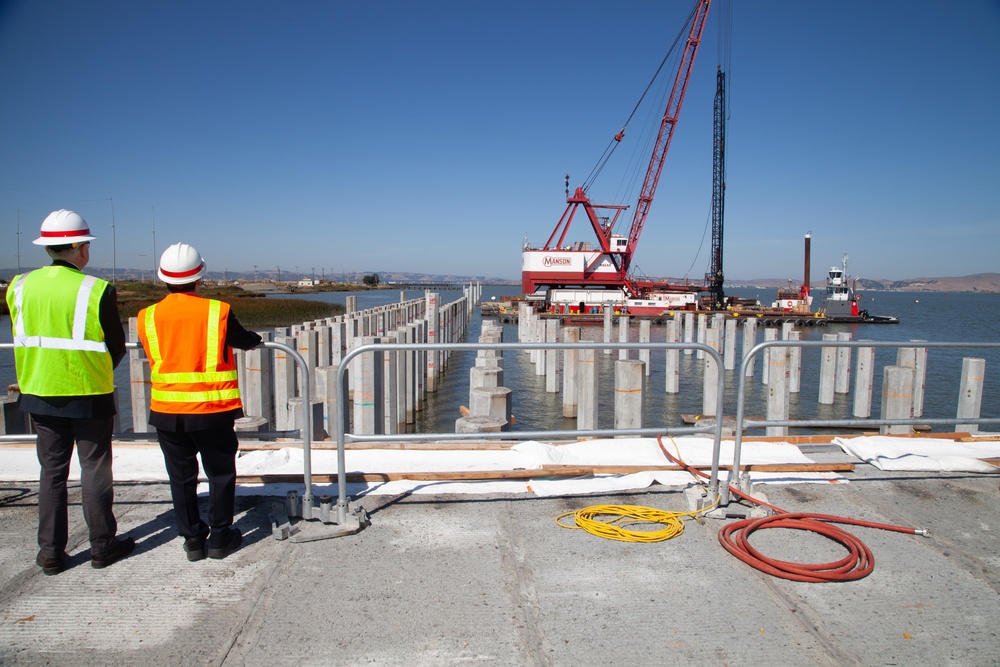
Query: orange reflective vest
{"points": [[191, 369]]}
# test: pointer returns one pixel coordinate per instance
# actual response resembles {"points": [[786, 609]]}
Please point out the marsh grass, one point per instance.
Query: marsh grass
{"points": [[253, 312]]}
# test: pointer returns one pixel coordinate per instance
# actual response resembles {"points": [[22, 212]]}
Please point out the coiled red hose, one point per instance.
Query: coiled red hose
{"points": [[735, 538]]}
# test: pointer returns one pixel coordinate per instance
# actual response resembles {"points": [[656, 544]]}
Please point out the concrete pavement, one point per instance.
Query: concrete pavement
{"points": [[493, 580]]}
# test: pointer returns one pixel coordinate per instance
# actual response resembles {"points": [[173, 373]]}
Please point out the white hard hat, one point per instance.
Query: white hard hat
{"points": [[181, 264], [63, 227]]}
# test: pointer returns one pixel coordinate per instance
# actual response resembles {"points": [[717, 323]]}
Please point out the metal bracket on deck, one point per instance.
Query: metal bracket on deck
{"points": [[699, 499], [354, 519]]}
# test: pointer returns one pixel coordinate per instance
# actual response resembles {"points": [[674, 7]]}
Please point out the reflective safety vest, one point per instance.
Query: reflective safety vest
{"points": [[185, 339], [59, 347]]}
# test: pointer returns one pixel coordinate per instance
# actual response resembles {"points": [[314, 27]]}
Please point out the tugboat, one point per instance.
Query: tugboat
{"points": [[841, 302]]}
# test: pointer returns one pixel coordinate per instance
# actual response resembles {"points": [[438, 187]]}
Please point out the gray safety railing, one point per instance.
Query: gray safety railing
{"points": [[347, 519], [343, 436], [742, 423]]}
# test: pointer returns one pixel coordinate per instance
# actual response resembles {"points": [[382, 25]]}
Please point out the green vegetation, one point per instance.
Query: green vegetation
{"points": [[253, 311]]}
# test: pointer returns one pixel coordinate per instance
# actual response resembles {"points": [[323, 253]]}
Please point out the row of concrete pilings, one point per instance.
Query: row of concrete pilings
{"points": [[385, 398], [387, 394], [572, 371]]}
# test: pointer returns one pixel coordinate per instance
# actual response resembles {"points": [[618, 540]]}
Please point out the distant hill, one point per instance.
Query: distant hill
{"points": [[980, 282]]}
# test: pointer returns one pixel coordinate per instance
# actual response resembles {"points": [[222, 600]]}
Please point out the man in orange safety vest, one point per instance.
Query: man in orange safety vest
{"points": [[195, 399]]}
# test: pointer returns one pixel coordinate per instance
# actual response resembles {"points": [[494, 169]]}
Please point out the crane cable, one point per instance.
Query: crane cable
{"points": [[616, 522], [857, 564], [616, 140]]}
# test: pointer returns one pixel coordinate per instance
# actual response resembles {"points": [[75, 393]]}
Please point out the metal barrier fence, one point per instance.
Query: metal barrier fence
{"points": [[347, 519], [742, 423]]}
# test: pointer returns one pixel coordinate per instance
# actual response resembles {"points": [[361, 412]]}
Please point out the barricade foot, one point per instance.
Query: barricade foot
{"points": [[698, 498], [315, 523]]}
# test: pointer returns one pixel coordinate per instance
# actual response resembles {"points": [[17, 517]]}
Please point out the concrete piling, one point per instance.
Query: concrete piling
{"points": [[749, 341], [864, 377], [140, 385], [710, 384], [284, 382], [258, 400], [970, 392], [915, 358], [607, 327], [729, 348], [630, 378], [494, 402], [673, 358], [586, 414], [842, 375], [688, 331], [777, 389], [702, 327], [897, 397], [644, 337], [553, 378], [770, 333], [570, 390], [827, 371], [794, 364], [623, 327]]}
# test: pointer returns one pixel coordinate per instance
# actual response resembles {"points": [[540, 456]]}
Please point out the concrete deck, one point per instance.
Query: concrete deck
{"points": [[494, 581]]}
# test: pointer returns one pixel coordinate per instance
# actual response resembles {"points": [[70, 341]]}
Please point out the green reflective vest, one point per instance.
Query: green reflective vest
{"points": [[59, 347]]}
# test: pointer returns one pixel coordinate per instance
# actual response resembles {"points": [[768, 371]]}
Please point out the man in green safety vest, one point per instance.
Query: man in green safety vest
{"points": [[68, 339]]}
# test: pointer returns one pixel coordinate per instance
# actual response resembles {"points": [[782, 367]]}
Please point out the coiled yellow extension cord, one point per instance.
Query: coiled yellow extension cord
{"points": [[613, 522]]}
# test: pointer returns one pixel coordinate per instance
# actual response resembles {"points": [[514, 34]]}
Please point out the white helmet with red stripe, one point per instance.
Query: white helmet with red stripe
{"points": [[63, 227], [181, 264]]}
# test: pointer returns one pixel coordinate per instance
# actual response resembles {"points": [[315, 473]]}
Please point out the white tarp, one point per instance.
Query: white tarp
{"points": [[134, 463], [922, 454]]}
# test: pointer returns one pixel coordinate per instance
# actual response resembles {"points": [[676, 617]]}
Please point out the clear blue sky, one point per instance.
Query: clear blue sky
{"points": [[431, 137]]}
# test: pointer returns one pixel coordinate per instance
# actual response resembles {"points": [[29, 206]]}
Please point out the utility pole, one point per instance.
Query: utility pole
{"points": [[153, 209], [114, 245], [19, 241]]}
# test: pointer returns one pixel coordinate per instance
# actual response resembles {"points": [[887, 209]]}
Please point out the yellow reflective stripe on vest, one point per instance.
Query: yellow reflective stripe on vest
{"points": [[212, 349], [155, 357], [78, 341], [194, 396], [190, 378]]}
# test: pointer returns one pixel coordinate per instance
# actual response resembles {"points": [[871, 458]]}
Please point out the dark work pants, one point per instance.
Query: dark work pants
{"points": [[218, 447], [56, 436]]}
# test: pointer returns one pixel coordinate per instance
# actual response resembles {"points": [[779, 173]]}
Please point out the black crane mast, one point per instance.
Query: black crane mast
{"points": [[714, 278]]}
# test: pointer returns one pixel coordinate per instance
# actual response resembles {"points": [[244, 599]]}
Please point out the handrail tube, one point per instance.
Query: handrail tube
{"points": [[734, 472], [741, 420], [596, 345], [307, 427]]}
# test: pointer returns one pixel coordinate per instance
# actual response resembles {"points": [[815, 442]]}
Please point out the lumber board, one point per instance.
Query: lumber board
{"points": [[535, 473]]}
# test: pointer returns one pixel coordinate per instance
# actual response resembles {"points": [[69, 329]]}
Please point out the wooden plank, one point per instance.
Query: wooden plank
{"points": [[451, 475], [759, 467], [395, 446], [545, 471]]}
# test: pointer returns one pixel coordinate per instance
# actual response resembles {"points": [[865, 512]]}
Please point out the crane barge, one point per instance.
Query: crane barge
{"points": [[587, 277]]}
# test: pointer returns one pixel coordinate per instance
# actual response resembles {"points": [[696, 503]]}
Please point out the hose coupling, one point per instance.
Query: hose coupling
{"points": [[926, 532]]}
